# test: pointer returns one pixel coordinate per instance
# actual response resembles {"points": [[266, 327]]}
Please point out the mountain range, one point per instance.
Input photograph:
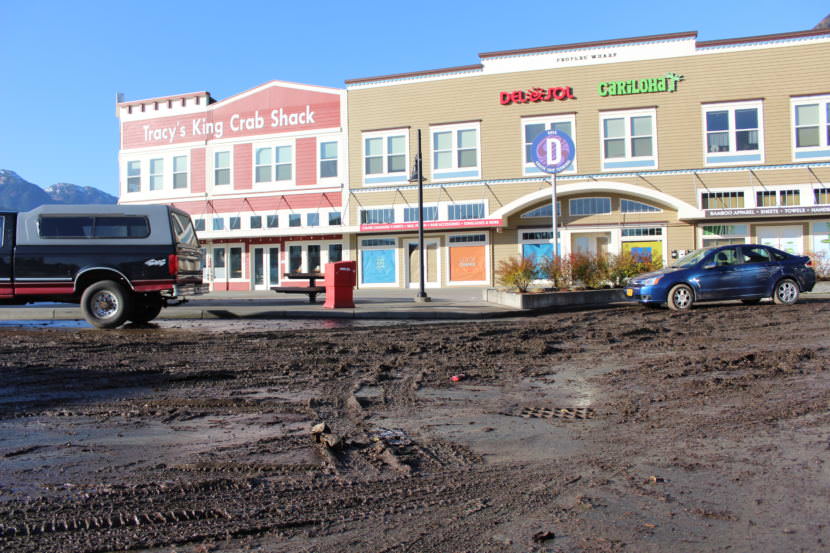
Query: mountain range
{"points": [[18, 194]]}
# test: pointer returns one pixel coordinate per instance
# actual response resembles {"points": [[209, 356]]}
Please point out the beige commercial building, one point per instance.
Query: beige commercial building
{"points": [[677, 144]]}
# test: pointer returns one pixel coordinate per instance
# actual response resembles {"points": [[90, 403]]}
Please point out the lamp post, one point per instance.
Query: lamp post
{"points": [[418, 175]]}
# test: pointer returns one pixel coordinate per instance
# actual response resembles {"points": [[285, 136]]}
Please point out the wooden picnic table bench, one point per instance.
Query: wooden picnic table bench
{"points": [[312, 290]]}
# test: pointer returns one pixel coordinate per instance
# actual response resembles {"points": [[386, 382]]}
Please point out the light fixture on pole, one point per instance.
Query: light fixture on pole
{"points": [[418, 176]]}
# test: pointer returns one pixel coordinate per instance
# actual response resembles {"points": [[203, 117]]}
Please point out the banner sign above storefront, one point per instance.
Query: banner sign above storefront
{"points": [[536, 95], [428, 225], [666, 83], [767, 211]]}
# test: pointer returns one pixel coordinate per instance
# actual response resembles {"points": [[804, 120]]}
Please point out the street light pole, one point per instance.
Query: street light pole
{"points": [[419, 170]]}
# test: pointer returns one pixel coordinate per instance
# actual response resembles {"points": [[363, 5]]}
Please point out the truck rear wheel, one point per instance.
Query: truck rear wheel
{"points": [[105, 304], [146, 307]]}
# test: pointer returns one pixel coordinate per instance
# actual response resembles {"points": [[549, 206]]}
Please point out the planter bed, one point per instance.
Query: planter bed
{"points": [[542, 300]]}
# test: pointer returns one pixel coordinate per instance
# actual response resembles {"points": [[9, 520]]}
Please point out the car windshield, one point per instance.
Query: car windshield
{"points": [[692, 258]]}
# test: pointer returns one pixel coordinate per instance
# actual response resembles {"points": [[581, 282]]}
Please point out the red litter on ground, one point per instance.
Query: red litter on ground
{"points": [[457, 377]]}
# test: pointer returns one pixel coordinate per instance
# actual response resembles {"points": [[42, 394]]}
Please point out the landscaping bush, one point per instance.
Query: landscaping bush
{"points": [[626, 265], [516, 272], [590, 269], [821, 264], [557, 270]]}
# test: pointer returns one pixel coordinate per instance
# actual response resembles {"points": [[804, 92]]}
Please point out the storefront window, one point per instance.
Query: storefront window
{"points": [[460, 212], [721, 235], [411, 213], [721, 200], [236, 262]]}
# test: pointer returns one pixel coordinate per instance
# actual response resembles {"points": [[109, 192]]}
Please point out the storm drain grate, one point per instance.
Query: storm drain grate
{"points": [[566, 413]]}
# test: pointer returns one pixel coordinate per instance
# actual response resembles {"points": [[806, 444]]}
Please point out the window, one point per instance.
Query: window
{"points": [[544, 211], [335, 218], [774, 198], [371, 242], [537, 235], [235, 223], [533, 127], [295, 258], [335, 252], [385, 157], [721, 200], [328, 160], [638, 232], [733, 133], [156, 174], [314, 258], [272, 221], [455, 151], [721, 235], [411, 213], [811, 117], [222, 168], [294, 220], [822, 195], [199, 224], [457, 212], [75, 226], [273, 164], [312, 219], [377, 216], [256, 221], [589, 206], [180, 172], [235, 255], [630, 206], [756, 254], [628, 139], [218, 223], [133, 176], [468, 239]]}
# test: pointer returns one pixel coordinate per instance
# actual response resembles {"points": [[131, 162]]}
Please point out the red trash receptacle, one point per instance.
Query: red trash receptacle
{"points": [[341, 277]]}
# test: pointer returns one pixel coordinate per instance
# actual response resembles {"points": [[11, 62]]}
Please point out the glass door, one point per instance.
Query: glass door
{"points": [[265, 265]]}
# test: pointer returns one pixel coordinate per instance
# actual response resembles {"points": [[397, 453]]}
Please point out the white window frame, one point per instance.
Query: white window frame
{"points": [[628, 161], [528, 167], [398, 269], [186, 171], [158, 175], [654, 209], [129, 177], [273, 183], [572, 200], [395, 217], [733, 156], [426, 206], [229, 168], [385, 177], [822, 151], [749, 197], [487, 260], [320, 160], [455, 172], [733, 236], [304, 244]]}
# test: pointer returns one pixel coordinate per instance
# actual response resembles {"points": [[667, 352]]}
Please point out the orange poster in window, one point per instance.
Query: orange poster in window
{"points": [[467, 264]]}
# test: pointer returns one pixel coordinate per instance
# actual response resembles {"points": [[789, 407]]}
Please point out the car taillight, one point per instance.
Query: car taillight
{"points": [[808, 262], [173, 264]]}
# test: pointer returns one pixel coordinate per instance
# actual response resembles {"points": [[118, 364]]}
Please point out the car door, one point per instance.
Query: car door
{"points": [[756, 271], [6, 252], [719, 278]]}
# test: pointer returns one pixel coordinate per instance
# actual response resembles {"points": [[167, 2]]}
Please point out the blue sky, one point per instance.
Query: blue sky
{"points": [[63, 62]]}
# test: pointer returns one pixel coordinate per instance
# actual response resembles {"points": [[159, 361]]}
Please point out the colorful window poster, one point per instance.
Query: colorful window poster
{"points": [[537, 251], [378, 266], [646, 252], [821, 238], [467, 264]]}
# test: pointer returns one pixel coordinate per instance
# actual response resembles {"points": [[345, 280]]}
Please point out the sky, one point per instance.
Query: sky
{"points": [[62, 62]]}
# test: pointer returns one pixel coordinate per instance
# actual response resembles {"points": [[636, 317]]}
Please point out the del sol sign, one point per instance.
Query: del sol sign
{"points": [[536, 94], [666, 83]]}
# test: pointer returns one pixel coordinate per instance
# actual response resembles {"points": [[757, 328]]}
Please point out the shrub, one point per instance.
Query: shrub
{"points": [[626, 265], [821, 264], [590, 269], [557, 270], [516, 272]]}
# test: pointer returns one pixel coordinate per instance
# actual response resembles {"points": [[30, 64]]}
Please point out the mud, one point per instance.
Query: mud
{"points": [[626, 429]]}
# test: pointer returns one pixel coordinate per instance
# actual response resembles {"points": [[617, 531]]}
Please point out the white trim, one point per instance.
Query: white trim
{"points": [[628, 162], [454, 173], [407, 270], [733, 155], [822, 151], [385, 178]]}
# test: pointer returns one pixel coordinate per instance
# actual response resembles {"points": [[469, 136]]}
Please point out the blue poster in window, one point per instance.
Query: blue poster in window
{"points": [[537, 251], [378, 266]]}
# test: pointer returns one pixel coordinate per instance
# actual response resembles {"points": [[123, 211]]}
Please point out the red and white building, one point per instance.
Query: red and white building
{"points": [[263, 175]]}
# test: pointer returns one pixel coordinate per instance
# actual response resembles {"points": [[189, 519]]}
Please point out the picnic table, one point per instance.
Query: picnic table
{"points": [[312, 289]]}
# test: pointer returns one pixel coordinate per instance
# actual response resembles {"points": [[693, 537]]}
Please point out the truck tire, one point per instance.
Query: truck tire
{"points": [[146, 307], [106, 304]]}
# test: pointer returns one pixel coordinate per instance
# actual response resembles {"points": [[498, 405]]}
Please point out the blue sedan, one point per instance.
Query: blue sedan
{"points": [[747, 272]]}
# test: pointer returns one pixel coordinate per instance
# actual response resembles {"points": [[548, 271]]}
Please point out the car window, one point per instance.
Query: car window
{"points": [[756, 254], [692, 258], [725, 257]]}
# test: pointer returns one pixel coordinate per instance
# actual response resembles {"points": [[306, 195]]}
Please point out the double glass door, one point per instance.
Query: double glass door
{"points": [[265, 267]]}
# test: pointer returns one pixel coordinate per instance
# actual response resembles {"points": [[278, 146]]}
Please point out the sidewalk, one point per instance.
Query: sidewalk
{"points": [[446, 303]]}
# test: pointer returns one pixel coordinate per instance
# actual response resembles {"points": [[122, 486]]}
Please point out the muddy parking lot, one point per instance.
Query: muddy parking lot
{"points": [[626, 429]]}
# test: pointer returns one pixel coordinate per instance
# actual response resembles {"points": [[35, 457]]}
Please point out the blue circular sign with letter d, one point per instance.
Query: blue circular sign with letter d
{"points": [[553, 151]]}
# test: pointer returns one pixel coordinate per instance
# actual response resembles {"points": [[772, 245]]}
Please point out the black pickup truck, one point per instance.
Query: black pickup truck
{"points": [[121, 263]]}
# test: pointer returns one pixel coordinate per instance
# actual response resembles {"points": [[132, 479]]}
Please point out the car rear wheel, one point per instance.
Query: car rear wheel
{"points": [[680, 298], [786, 292], [146, 308], [105, 304]]}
